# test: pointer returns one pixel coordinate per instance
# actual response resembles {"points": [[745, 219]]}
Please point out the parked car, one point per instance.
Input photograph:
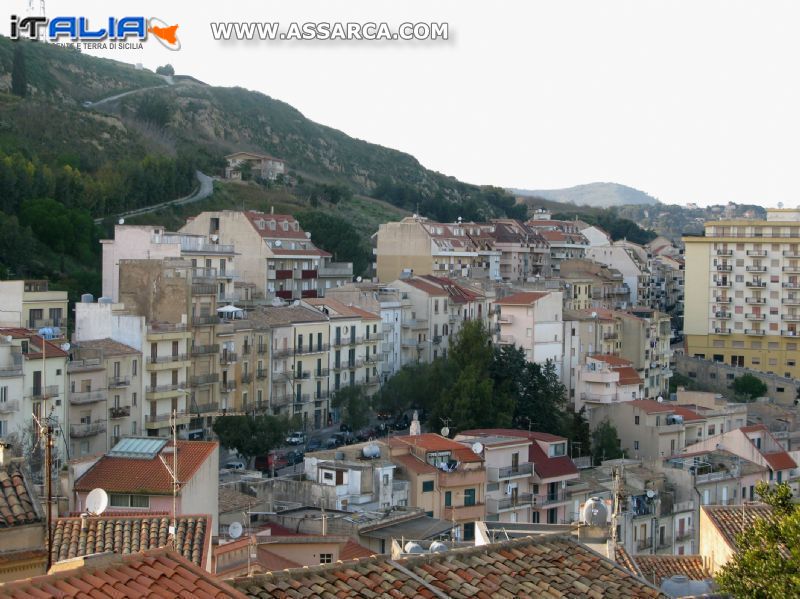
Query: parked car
{"points": [[295, 457], [345, 428], [274, 459], [334, 441], [365, 434], [314, 445], [296, 438], [234, 465]]}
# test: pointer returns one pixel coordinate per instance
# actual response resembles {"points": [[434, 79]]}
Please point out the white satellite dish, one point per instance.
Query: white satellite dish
{"points": [[96, 502], [660, 399], [278, 243], [594, 314], [121, 221], [650, 493], [358, 279], [445, 431], [215, 238], [235, 530], [477, 448], [65, 346]]}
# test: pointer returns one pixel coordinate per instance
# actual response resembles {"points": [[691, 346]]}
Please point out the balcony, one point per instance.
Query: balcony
{"points": [[79, 365], [409, 343], [723, 283], [167, 330], [9, 406], [755, 300], [505, 504], [247, 377], [724, 267], [558, 496], [756, 268], [792, 253], [312, 350], [227, 386], [465, 512], [283, 274], [753, 316], [791, 317], [281, 377], [755, 332], [261, 373], [505, 339], [722, 315], [791, 285], [437, 339], [201, 350], [204, 289], [371, 359], [228, 357], [415, 323], [722, 300], [262, 349], [643, 544], [757, 253], [509, 472], [43, 392], [755, 283], [791, 300], [207, 408], [453, 318], [462, 478], [610, 336], [205, 320], [301, 374], [791, 268], [308, 274], [725, 252], [163, 420], [342, 341], [506, 319], [790, 333], [77, 398], [281, 353], [203, 379], [119, 412], [77, 431], [684, 535], [387, 348]]}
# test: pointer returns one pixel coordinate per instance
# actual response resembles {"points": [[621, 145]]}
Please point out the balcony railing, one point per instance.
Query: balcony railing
{"points": [[755, 268], [790, 333], [415, 323], [685, 534], [755, 283], [86, 397], [227, 386], [722, 315], [550, 498], [247, 377], [791, 317], [723, 283], [163, 419], [791, 300], [461, 478], [207, 319], [724, 252], [346, 341], [307, 349], [162, 388], [643, 544], [724, 267], [228, 357], [757, 253], [167, 359], [200, 350], [41, 392], [165, 327], [9, 406], [87, 430], [261, 373], [302, 374], [723, 300], [321, 372], [791, 268], [756, 332], [203, 379], [508, 472], [262, 349], [476, 511], [119, 412], [281, 353], [791, 285], [721, 331], [754, 316], [755, 300], [80, 365], [509, 503]]}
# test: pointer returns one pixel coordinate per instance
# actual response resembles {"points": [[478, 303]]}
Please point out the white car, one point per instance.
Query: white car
{"points": [[296, 438], [234, 465]]}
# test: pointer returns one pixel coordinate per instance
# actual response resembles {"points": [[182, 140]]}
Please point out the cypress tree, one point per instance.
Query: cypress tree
{"points": [[19, 73]]}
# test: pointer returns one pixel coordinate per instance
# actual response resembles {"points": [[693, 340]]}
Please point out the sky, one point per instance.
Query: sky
{"points": [[690, 101]]}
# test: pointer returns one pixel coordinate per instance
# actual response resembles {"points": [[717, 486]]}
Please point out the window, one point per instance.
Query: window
{"points": [[469, 496], [448, 498], [135, 367], [469, 531], [427, 486], [139, 501], [636, 420], [325, 558], [636, 445], [558, 449]]}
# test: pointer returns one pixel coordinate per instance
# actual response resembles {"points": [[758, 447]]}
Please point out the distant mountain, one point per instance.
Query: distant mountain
{"points": [[601, 195]]}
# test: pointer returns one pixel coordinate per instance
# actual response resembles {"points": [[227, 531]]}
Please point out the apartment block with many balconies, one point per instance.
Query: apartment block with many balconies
{"points": [[743, 292]]}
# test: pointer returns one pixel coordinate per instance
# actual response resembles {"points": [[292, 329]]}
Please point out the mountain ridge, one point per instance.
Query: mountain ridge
{"points": [[598, 194]]}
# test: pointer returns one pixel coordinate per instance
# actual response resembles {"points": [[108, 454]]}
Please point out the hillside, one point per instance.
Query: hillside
{"points": [[598, 195]]}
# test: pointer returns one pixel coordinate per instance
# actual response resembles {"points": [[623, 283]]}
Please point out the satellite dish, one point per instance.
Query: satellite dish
{"points": [[477, 447], [121, 221], [235, 530], [650, 493], [215, 238], [660, 399], [278, 243], [437, 547], [65, 346], [780, 204], [445, 431], [594, 314], [308, 235], [358, 279], [96, 502]]}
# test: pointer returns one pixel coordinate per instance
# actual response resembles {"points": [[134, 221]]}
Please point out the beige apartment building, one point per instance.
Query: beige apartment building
{"points": [[604, 380], [532, 320], [30, 304], [446, 479], [743, 292], [105, 395]]}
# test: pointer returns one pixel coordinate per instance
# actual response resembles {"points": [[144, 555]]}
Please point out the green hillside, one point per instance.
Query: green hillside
{"points": [[597, 195]]}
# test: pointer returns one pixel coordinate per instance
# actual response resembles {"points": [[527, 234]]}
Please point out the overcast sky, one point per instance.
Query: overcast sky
{"points": [[694, 101]]}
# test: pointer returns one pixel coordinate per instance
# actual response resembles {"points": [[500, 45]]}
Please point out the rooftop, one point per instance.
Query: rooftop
{"points": [[155, 573], [518, 568], [109, 347], [78, 537], [731, 520], [284, 315], [522, 298], [17, 506], [146, 476], [337, 309]]}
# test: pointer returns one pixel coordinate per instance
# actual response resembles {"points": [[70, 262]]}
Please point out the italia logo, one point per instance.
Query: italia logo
{"points": [[78, 29]]}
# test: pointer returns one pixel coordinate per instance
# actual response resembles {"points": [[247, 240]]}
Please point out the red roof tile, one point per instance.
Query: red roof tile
{"points": [[754, 428], [413, 464], [522, 298], [611, 360], [35, 351], [628, 376], [272, 561], [425, 286], [428, 441], [779, 460], [352, 550], [17, 506], [255, 217], [155, 573], [657, 568], [340, 309], [729, 520], [131, 475]]}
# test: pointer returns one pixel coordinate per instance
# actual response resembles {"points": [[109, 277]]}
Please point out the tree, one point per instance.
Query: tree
{"points": [[154, 109], [166, 69], [579, 432], [605, 443], [542, 399], [251, 436], [354, 406], [749, 387], [19, 72], [767, 560]]}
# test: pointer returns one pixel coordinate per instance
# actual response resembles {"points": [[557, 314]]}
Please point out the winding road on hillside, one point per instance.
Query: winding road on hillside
{"points": [[205, 183]]}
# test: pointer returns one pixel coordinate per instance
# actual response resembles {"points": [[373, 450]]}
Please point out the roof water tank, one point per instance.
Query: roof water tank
{"points": [[438, 547], [87, 298], [595, 512], [412, 547], [105, 300], [371, 451]]}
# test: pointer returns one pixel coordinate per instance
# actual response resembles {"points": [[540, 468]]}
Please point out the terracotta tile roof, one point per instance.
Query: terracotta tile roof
{"points": [[352, 550], [625, 560], [143, 476], [628, 376], [428, 441], [156, 573], [254, 217], [35, 350], [339, 309], [522, 298], [611, 360], [17, 507], [655, 568], [428, 288], [77, 537], [109, 347], [730, 520], [232, 500], [546, 567], [413, 464], [272, 561], [754, 428], [779, 460]]}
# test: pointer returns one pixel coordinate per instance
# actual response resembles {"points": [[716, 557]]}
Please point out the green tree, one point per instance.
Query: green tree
{"points": [[154, 108], [542, 399], [578, 432], [19, 72], [166, 69], [353, 403], [749, 387], [251, 436], [605, 443], [339, 237], [767, 562]]}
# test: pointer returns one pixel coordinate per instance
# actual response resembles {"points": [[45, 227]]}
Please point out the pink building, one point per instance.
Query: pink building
{"points": [[136, 475]]}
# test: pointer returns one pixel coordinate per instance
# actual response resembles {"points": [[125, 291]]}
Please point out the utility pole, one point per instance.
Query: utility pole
{"points": [[174, 479]]}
